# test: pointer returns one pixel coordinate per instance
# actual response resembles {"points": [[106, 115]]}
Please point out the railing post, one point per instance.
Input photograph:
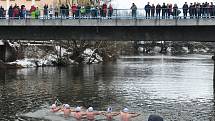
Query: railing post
{"points": [[116, 13]]}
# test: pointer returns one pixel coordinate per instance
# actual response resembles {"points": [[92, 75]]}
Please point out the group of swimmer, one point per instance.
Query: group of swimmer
{"points": [[79, 113]]}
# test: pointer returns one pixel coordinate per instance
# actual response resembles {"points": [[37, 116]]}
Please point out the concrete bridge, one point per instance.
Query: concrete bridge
{"points": [[201, 29]]}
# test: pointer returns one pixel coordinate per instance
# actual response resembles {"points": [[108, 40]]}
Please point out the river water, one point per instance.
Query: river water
{"points": [[176, 88]]}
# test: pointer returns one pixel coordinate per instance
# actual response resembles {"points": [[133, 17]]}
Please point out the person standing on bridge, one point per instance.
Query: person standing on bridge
{"points": [[1, 12], [158, 11], [67, 11], [175, 11], [191, 11], [185, 9], [152, 11], [212, 10], [147, 9], [51, 12], [134, 11], [88, 10], [23, 12], [37, 13], [74, 9], [45, 11], [104, 10], [56, 11], [164, 9], [10, 11], [110, 11], [169, 10]]}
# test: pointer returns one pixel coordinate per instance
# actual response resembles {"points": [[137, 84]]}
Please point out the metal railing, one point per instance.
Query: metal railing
{"points": [[111, 14]]}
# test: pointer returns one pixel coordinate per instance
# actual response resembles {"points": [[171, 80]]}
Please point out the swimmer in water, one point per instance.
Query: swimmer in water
{"points": [[78, 114], [54, 108], [66, 110], [126, 116], [109, 114], [90, 114]]}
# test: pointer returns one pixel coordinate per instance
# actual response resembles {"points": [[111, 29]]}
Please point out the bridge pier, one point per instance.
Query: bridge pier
{"points": [[2, 51], [213, 57]]}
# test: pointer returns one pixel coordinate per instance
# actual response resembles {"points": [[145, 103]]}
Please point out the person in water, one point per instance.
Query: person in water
{"points": [[54, 108], [126, 116], [109, 114], [66, 110], [90, 114], [78, 114]]}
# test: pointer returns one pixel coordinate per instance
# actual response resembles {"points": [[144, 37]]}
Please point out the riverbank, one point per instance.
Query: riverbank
{"points": [[64, 53], [25, 55]]}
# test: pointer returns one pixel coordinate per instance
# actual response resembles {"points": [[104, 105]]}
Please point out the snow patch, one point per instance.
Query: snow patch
{"points": [[1, 42], [90, 56], [61, 50], [48, 60], [25, 63]]}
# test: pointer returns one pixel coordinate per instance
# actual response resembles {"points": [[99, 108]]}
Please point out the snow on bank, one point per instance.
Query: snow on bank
{"points": [[25, 63], [61, 50], [48, 60], [14, 45], [90, 56]]}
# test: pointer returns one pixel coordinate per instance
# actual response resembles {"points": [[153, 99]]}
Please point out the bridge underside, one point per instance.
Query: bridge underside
{"points": [[120, 33]]}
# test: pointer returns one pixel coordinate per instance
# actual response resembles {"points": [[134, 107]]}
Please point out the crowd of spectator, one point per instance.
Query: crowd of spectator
{"points": [[164, 11], [63, 11], [194, 10]]}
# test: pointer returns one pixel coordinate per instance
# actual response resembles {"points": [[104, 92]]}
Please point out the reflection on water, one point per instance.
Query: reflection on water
{"points": [[177, 88]]}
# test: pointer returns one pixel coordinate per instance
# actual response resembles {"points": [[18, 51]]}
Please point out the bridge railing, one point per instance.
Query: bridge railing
{"points": [[110, 14]]}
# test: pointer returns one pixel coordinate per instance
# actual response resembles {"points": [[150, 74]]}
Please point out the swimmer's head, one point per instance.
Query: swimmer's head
{"points": [[125, 110], [66, 106], [78, 109], [53, 106], [109, 109], [90, 109]]}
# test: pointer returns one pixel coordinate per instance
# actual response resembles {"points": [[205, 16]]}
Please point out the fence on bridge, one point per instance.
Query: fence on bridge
{"points": [[110, 14]]}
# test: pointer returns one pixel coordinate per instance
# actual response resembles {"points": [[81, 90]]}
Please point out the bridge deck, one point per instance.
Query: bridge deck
{"points": [[109, 29], [108, 22]]}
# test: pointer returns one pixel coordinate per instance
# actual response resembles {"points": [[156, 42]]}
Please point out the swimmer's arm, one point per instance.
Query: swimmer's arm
{"points": [[97, 113], [72, 110], [134, 115], [102, 112], [83, 113], [115, 113], [83, 117], [61, 109], [58, 109]]}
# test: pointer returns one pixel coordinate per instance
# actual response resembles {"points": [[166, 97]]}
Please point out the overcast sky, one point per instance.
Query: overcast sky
{"points": [[126, 4]]}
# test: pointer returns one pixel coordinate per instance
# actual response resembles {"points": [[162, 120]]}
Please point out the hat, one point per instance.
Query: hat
{"points": [[66, 106], [109, 109], [125, 110], [78, 109], [53, 106], [90, 109]]}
